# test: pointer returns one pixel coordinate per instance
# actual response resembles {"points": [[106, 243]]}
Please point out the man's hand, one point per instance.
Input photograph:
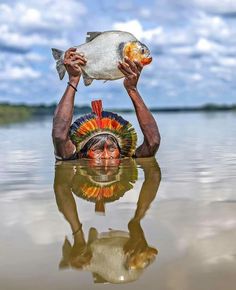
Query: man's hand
{"points": [[131, 70], [73, 62]]}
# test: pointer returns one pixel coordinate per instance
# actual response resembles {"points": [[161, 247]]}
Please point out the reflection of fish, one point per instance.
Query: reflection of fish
{"points": [[103, 51], [108, 261]]}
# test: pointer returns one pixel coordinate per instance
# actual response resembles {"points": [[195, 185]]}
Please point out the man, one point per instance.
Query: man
{"points": [[102, 135]]}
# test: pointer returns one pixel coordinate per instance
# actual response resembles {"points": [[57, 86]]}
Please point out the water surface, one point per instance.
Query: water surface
{"points": [[190, 220]]}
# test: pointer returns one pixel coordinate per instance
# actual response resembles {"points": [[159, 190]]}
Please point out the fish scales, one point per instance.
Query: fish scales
{"points": [[103, 51], [103, 54]]}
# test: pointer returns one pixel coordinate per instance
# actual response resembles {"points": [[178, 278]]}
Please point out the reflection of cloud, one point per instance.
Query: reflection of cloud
{"points": [[36, 218]]}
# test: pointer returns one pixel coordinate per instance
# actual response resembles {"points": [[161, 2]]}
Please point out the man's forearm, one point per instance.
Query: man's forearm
{"points": [[147, 124], [64, 112]]}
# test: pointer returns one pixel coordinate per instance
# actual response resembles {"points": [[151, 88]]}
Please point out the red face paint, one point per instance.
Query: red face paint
{"points": [[109, 151]]}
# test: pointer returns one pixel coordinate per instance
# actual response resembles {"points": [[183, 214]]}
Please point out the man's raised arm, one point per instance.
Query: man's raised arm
{"points": [[147, 123], [64, 148]]}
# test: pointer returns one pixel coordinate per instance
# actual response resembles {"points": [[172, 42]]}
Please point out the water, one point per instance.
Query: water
{"points": [[190, 219]]}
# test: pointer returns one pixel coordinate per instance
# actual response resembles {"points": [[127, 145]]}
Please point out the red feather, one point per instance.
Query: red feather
{"points": [[97, 108]]}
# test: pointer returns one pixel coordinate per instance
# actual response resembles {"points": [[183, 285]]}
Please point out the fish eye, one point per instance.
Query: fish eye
{"points": [[142, 50]]}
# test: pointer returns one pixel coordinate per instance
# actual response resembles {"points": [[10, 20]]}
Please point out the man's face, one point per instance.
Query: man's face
{"points": [[108, 150]]}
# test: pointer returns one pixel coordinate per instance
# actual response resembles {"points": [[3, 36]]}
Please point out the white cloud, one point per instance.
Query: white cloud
{"points": [[211, 26], [187, 43], [23, 25], [196, 77], [18, 73], [30, 16], [223, 6], [21, 41], [227, 61], [145, 12], [157, 35], [35, 57], [135, 27], [16, 59], [42, 14], [203, 45]]}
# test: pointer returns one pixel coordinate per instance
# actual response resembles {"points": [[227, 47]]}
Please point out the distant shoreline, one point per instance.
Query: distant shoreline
{"points": [[20, 112]]}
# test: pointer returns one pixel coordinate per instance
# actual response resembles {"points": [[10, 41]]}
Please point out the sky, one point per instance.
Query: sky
{"points": [[193, 45]]}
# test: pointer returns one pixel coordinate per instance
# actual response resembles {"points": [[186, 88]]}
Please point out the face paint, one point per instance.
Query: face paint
{"points": [[108, 151]]}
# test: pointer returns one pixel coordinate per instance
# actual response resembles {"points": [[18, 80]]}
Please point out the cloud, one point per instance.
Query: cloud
{"points": [[135, 27], [227, 61], [222, 7], [202, 47], [23, 25], [34, 57], [45, 14], [18, 42], [211, 26], [145, 12], [18, 73], [193, 47]]}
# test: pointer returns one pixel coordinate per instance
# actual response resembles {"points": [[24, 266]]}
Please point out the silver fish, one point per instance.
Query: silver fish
{"points": [[103, 51]]}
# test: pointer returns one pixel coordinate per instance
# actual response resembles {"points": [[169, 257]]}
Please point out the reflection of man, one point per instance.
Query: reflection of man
{"points": [[102, 135], [114, 256], [103, 181]]}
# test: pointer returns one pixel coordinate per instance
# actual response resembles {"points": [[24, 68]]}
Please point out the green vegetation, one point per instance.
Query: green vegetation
{"points": [[13, 113], [204, 108], [10, 113]]}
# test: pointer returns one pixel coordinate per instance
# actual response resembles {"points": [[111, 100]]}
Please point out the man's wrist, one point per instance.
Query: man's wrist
{"points": [[131, 90], [74, 80]]}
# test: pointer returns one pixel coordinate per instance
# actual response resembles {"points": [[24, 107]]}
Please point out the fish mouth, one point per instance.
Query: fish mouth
{"points": [[146, 60]]}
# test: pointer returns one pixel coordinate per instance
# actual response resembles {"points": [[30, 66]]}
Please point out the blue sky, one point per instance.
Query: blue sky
{"points": [[193, 44]]}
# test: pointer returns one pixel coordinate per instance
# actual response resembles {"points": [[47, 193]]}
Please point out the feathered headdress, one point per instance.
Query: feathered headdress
{"points": [[103, 122]]}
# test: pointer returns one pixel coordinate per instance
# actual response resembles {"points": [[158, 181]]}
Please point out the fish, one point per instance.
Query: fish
{"points": [[103, 51]]}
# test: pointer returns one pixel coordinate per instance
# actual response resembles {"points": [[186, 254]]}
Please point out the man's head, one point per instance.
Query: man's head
{"points": [[103, 146], [103, 135]]}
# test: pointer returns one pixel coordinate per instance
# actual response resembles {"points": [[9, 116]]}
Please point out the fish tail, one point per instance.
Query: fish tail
{"points": [[58, 56], [57, 53]]}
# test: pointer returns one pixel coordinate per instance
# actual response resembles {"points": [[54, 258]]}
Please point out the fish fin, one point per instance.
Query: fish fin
{"points": [[66, 251], [87, 79], [60, 69], [58, 56], [93, 235], [92, 35], [121, 50]]}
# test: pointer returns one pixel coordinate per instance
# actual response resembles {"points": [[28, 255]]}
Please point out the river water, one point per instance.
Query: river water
{"points": [[163, 223]]}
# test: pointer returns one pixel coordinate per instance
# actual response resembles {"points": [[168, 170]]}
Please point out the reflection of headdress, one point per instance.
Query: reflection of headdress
{"points": [[103, 122], [101, 184]]}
